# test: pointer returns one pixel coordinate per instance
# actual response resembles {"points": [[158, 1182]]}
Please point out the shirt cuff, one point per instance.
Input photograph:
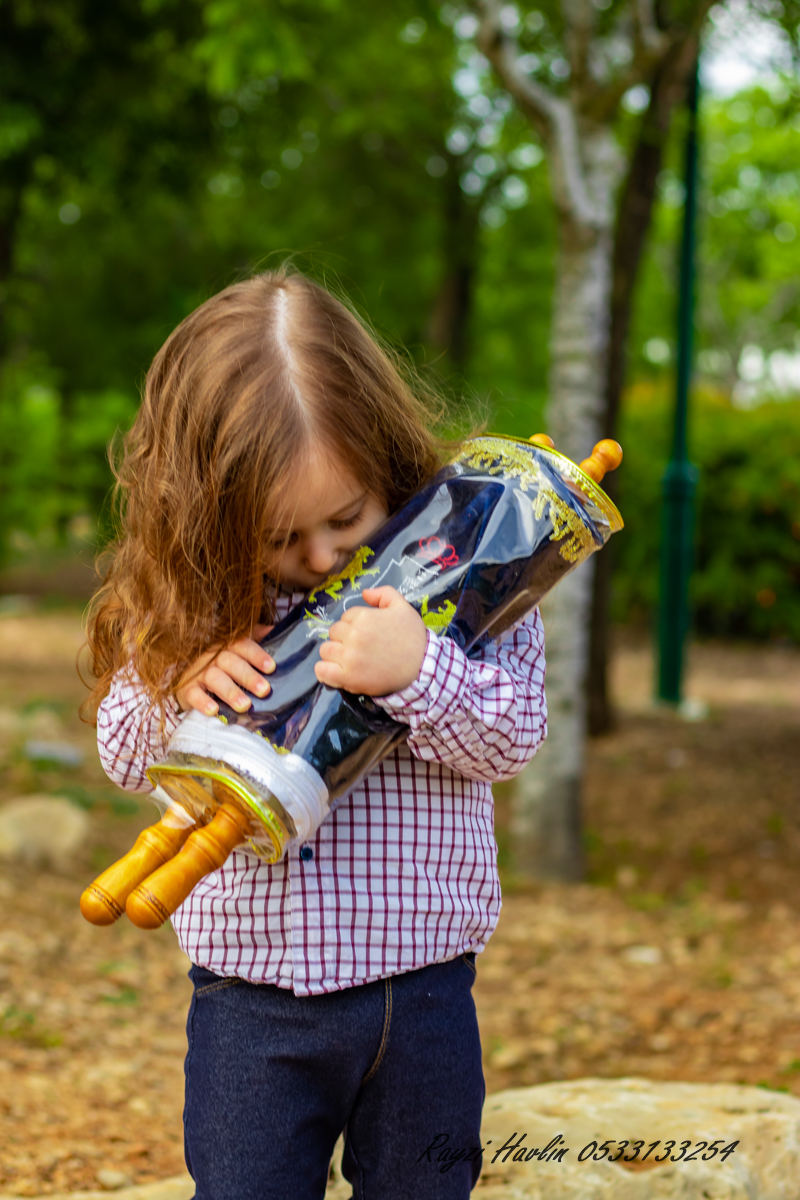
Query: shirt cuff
{"points": [[426, 692]]}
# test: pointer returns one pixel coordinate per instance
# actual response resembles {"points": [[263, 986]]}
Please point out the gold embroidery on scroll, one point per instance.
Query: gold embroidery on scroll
{"points": [[565, 521], [318, 624], [503, 458], [353, 574], [437, 619], [278, 749]]}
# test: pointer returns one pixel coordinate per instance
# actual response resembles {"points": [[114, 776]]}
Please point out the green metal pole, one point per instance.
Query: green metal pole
{"points": [[680, 479]]}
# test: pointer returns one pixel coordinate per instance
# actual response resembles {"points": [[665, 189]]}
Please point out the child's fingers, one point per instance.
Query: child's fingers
{"points": [[192, 674], [235, 667], [381, 597], [251, 652], [220, 684], [353, 620], [329, 673], [343, 666], [337, 633], [352, 624], [194, 696], [331, 651], [343, 658], [225, 672], [241, 672], [260, 632]]}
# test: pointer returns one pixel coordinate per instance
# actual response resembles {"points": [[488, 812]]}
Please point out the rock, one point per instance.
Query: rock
{"points": [[179, 1187], [64, 754], [112, 1180], [627, 877], [42, 831], [648, 955], [765, 1165]]}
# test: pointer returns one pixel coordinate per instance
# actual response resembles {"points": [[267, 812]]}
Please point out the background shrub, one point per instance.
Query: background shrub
{"points": [[747, 539]]}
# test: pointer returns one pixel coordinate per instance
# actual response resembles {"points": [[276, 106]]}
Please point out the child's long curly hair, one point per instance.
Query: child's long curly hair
{"points": [[232, 402]]}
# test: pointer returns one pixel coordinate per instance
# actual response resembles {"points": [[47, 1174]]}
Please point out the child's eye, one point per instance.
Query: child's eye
{"points": [[346, 522], [281, 543]]}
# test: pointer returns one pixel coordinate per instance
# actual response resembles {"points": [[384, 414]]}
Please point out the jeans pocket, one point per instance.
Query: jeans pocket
{"points": [[206, 981], [469, 959]]}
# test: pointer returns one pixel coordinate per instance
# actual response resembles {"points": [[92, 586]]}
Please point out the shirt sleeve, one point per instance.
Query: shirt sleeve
{"points": [[129, 734], [483, 716]]}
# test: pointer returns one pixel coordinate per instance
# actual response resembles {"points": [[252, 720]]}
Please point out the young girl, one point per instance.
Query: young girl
{"points": [[332, 990]]}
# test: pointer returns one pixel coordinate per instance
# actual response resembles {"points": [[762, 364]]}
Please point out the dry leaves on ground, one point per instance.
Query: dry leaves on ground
{"points": [[679, 960]]}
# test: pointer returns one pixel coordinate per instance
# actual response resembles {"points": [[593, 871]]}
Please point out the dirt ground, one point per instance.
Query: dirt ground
{"points": [[678, 959]]}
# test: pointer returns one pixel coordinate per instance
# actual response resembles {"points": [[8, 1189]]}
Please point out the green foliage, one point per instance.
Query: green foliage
{"points": [[125, 995], [748, 264], [349, 165], [20, 1025], [53, 455], [30, 417], [244, 40], [151, 153], [748, 514]]}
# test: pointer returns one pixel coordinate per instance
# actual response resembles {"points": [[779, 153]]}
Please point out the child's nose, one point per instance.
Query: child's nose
{"points": [[321, 556]]}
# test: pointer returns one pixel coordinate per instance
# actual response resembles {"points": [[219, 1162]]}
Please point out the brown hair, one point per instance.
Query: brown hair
{"points": [[239, 390]]}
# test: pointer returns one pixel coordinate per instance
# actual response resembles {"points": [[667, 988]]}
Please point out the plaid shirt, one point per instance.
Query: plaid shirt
{"points": [[403, 872]]}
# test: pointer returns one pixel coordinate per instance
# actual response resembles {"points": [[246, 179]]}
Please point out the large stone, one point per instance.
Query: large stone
{"points": [[765, 1164], [42, 831], [180, 1187]]}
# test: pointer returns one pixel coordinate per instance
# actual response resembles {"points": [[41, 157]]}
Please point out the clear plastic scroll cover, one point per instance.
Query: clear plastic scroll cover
{"points": [[474, 551]]}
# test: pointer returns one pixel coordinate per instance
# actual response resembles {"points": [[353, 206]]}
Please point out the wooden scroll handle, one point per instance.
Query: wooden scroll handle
{"points": [[103, 902], [606, 456], [157, 897]]}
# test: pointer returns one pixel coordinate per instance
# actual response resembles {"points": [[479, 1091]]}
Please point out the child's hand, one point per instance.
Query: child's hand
{"points": [[377, 650], [225, 672]]}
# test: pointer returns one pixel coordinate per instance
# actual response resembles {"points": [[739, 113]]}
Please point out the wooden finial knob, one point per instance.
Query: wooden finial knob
{"points": [[541, 439], [157, 897], [103, 901], [606, 456]]}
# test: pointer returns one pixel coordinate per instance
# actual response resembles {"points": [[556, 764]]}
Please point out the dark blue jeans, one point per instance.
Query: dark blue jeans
{"points": [[272, 1079]]}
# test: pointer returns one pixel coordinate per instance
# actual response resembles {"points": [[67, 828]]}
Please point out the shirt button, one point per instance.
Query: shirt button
{"points": [[306, 853]]}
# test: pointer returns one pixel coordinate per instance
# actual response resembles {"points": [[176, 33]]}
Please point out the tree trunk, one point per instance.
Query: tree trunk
{"points": [[9, 220], [600, 715], [633, 221], [448, 325], [586, 168], [546, 812]]}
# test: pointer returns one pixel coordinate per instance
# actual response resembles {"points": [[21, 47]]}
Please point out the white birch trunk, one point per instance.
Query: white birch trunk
{"points": [[575, 124], [546, 820]]}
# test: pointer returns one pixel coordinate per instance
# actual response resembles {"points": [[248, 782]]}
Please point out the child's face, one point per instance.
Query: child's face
{"points": [[332, 515]]}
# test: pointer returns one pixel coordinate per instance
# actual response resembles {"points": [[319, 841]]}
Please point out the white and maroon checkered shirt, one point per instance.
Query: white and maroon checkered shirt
{"points": [[403, 871]]}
